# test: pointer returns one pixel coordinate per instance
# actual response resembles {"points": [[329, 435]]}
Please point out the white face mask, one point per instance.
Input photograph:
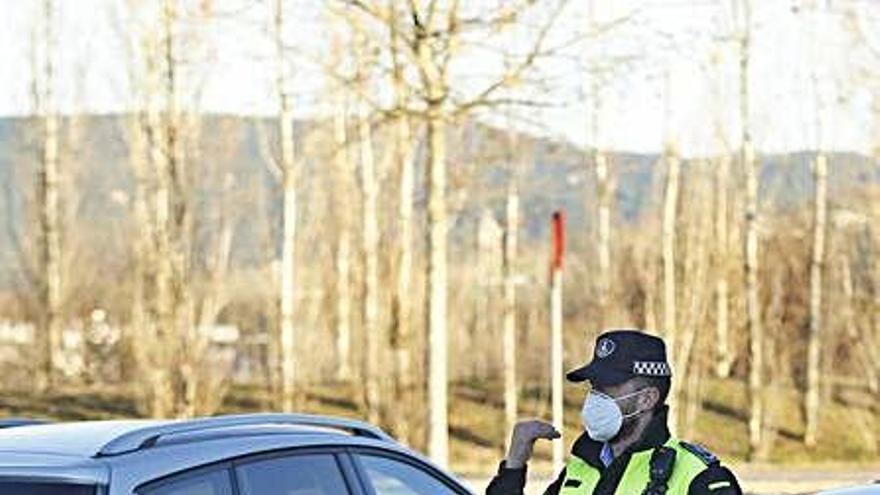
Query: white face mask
{"points": [[602, 417]]}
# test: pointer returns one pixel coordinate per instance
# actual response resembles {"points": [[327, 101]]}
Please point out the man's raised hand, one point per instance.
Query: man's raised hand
{"points": [[523, 439]]}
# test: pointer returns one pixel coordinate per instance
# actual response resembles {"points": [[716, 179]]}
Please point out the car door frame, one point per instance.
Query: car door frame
{"points": [[339, 453], [217, 466], [364, 481]]}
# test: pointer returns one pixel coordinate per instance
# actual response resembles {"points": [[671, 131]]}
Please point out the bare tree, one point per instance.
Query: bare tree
{"points": [[287, 164], [670, 219], [401, 326], [164, 310], [171, 312], [165, 156], [369, 184], [434, 78], [171, 217], [604, 183], [432, 35], [145, 152], [48, 198], [817, 262], [515, 155], [723, 352], [511, 231], [342, 171], [743, 12]]}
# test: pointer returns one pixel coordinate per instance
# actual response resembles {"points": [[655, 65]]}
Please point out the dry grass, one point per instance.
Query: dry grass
{"points": [[848, 435]]}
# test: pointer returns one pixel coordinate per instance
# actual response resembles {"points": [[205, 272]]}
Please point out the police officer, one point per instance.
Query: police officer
{"points": [[627, 448]]}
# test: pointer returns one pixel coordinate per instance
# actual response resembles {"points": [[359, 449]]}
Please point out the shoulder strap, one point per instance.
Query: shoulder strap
{"points": [[700, 452], [662, 463]]}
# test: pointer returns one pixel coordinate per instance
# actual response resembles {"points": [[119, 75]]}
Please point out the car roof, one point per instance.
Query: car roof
{"points": [[116, 437], [53, 467], [80, 439]]}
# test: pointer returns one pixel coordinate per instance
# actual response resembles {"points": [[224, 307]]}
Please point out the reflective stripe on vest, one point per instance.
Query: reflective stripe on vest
{"points": [[582, 478]]}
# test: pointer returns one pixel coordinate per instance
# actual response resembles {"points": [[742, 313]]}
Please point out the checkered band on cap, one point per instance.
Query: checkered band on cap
{"points": [[651, 368]]}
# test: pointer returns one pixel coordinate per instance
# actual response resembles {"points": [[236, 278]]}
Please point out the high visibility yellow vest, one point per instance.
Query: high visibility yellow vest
{"points": [[585, 477]]}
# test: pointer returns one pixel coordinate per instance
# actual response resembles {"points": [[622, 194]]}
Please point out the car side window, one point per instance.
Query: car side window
{"points": [[216, 482], [303, 474], [388, 476]]}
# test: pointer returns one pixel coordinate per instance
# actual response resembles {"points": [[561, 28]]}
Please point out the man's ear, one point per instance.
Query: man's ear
{"points": [[651, 398]]}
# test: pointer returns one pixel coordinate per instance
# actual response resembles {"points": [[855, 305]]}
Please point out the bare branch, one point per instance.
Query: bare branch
{"points": [[516, 72]]}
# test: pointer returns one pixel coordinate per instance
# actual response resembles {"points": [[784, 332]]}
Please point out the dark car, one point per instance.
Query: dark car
{"points": [[262, 454]]}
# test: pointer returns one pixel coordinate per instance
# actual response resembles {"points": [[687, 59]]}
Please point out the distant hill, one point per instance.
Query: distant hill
{"points": [[558, 177]]}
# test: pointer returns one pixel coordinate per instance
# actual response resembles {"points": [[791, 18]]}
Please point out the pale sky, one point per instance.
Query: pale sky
{"points": [[670, 44]]}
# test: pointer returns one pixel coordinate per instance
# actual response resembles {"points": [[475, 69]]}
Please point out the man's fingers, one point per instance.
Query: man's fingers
{"points": [[550, 433], [535, 429]]}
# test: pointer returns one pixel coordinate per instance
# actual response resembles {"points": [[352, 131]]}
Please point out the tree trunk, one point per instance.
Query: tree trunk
{"points": [[401, 304], [438, 426], [288, 249], [817, 262], [604, 187], [404, 384], [343, 250], [670, 323], [489, 271], [168, 209], [370, 239], [670, 210], [603, 184], [751, 225], [753, 304], [510, 257], [138, 334], [48, 189], [723, 352], [160, 398], [343, 306], [433, 70]]}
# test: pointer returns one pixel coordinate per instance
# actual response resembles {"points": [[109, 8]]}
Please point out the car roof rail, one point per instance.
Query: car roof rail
{"points": [[14, 422], [148, 436]]}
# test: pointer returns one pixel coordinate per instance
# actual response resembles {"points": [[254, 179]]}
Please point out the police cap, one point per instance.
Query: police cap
{"points": [[620, 355]]}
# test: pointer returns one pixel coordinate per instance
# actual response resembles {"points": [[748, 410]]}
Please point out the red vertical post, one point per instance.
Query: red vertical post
{"points": [[556, 336], [558, 240]]}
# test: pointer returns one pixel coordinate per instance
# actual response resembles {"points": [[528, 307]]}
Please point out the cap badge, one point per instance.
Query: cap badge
{"points": [[605, 348]]}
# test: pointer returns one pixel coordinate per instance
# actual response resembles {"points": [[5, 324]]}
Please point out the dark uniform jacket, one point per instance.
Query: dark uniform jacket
{"points": [[512, 481]]}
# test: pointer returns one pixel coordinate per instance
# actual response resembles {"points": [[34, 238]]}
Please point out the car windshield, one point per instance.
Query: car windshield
{"points": [[40, 488]]}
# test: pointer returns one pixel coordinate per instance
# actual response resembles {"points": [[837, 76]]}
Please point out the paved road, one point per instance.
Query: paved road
{"points": [[758, 481]]}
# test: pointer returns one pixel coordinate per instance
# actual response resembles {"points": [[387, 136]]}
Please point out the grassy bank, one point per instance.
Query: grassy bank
{"points": [[849, 434]]}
